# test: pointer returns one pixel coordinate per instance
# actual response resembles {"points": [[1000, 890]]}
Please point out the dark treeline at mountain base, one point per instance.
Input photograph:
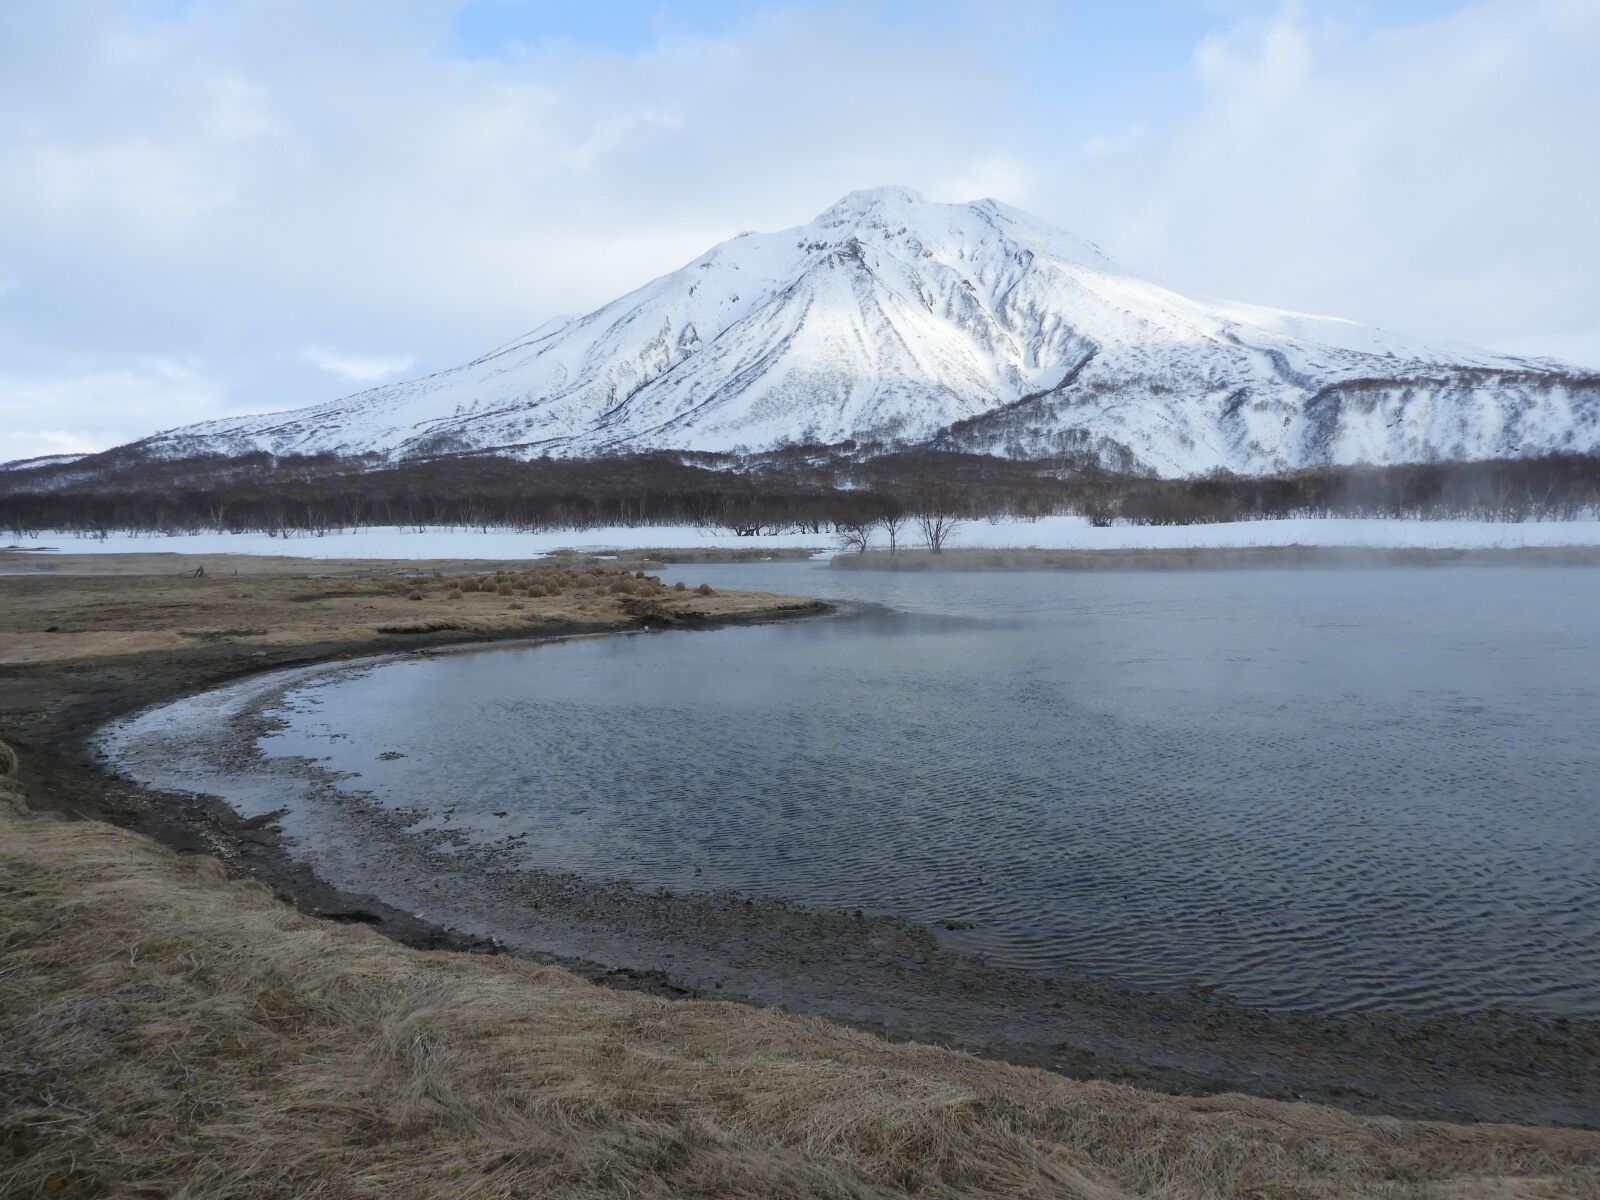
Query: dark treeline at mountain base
{"points": [[809, 490]]}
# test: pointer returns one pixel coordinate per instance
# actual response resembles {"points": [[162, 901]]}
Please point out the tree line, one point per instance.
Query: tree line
{"points": [[836, 492]]}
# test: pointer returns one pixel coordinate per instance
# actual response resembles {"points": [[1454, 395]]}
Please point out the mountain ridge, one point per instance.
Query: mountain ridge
{"points": [[977, 327]]}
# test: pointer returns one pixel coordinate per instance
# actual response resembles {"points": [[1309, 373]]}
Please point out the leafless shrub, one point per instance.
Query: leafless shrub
{"points": [[1101, 513], [892, 523], [936, 523], [853, 535]]}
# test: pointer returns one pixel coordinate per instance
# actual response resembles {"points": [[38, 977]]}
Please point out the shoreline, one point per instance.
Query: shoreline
{"points": [[170, 1028], [1218, 558], [850, 968]]}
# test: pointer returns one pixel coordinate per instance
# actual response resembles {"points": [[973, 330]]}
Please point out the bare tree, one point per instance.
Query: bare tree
{"points": [[892, 524], [853, 535], [936, 523], [1101, 513]]}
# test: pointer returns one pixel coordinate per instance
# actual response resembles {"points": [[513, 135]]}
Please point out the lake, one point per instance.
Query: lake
{"points": [[1330, 789]]}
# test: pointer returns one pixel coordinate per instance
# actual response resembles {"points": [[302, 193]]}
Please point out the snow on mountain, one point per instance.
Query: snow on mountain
{"points": [[43, 460], [973, 326]]}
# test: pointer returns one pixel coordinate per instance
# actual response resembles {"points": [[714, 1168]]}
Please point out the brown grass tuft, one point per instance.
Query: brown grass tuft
{"points": [[704, 590], [427, 625]]}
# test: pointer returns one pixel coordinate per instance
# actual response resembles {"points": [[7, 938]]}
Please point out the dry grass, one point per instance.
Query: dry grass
{"points": [[167, 1032], [57, 617]]}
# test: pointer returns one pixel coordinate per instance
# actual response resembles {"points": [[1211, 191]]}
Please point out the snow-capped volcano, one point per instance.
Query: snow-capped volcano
{"points": [[890, 318]]}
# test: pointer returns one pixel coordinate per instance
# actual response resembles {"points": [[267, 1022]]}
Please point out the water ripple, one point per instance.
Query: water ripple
{"points": [[1336, 790]]}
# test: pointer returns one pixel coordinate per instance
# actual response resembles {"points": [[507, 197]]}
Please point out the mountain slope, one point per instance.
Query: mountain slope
{"points": [[971, 326]]}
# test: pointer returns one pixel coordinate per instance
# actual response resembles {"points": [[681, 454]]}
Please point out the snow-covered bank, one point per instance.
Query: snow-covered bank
{"points": [[1048, 533]]}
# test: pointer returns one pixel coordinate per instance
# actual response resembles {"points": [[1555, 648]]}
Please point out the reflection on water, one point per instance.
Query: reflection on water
{"points": [[1319, 788]]}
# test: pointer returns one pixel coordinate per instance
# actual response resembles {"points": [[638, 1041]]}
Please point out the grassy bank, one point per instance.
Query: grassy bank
{"points": [[85, 606], [167, 1031]]}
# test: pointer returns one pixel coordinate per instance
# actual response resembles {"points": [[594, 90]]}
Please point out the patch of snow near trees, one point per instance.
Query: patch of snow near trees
{"points": [[1046, 533]]}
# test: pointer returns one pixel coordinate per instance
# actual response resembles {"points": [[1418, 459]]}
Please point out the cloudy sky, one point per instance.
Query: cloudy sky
{"points": [[239, 205]]}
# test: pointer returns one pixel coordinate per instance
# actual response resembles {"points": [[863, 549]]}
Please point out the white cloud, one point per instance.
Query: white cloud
{"points": [[105, 405], [1437, 179], [1001, 176], [358, 368], [36, 443]]}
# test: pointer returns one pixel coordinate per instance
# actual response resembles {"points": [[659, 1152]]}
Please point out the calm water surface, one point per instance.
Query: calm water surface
{"points": [[1332, 789]]}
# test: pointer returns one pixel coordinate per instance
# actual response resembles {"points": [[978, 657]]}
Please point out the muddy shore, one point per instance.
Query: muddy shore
{"points": [[877, 973]]}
